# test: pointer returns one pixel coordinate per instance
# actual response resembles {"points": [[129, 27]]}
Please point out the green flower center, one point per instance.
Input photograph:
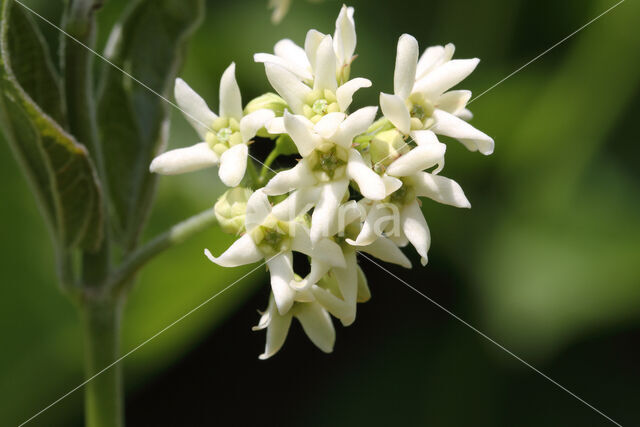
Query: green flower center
{"points": [[403, 195], [420, 110], [272, 236], [319, 103], [329, 161], [320, 106], [224, 134]]}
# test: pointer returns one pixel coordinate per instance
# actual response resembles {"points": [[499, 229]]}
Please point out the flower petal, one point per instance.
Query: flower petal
{"points": [[299, 129], [329, 252], [233, 164], [344, 93], [440, 189], [415, 228], [364, 294], [281, 270], [242, 251], [445, 77], [344, 39], [253, 122], [182, 160], [318, 270], [391, 184], [292, 90], [230, 99], [428, 138], [394, 109], [450, 125], [387, 251], [419, 158], [465, 114], [375, 222], [355, 124], [298, 176], [328, 124], [324, 215], [274, 59], [195, 109], [433, 57], [277, 329], [258, 208], [275, 126], [297, 203], [347, 279], [453, 101], [404, 75], [311, 44], [325, 67], [295, 56], [317, 324], [370, 183], [333, 304]]}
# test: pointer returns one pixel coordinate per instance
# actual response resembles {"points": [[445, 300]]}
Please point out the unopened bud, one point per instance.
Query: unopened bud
{"points": [[230, 209], [387, 146], [268, 101]]}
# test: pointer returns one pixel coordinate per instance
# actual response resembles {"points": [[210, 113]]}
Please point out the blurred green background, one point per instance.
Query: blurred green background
{"points": [[547, 262]]}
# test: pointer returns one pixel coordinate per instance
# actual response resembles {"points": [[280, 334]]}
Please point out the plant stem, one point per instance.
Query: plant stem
{"points": [[175, 235], [80, 22], [266, 166], [103, 393]]}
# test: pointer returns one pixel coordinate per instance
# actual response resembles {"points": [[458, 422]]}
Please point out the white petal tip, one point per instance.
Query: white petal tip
{"points": [[208, 254], [424, 261]]}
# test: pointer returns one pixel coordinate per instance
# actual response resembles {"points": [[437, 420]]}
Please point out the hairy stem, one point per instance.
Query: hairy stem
{"points": [[175, 235], [80, 22], [103, 392]]}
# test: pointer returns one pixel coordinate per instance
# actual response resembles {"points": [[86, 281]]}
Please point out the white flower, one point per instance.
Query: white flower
{"points": [[405, 181], [421, 101], [328, 164], [274, 240], [302, 62], [225, 136], [315, 321], [337, 287]]}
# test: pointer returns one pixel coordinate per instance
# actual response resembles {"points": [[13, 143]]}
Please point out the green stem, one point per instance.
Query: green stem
{"points": [[266, 166], [103, 391], [80, 22], [175, 235]]}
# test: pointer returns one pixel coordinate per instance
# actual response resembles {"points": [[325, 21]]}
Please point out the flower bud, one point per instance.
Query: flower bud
{"points": [[364, 294], [386, 147], [230, 209], [268, 101]]}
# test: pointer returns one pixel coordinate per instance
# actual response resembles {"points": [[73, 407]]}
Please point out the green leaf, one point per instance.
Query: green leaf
{"points": [[60, 172], [149, 43]]}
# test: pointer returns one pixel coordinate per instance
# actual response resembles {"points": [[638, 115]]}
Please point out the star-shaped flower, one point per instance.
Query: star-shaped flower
{"points": [[328, 165], [225, 136], [399, 213], [274, 240], [422, 99], [302, 62]]}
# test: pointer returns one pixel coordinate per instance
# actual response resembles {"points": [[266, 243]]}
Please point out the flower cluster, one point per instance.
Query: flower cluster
{"points": [[358, 180]]}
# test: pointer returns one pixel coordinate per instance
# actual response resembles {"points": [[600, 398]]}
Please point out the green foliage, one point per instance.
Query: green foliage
{"points": [[149, 43], [59, 169]]}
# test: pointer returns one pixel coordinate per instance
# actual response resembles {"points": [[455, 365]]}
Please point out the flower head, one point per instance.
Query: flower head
{"points": [[358, 183], [225, 136]]}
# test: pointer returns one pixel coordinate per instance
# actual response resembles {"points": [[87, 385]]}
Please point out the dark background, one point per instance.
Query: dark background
{"points": [[547, 262]]}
